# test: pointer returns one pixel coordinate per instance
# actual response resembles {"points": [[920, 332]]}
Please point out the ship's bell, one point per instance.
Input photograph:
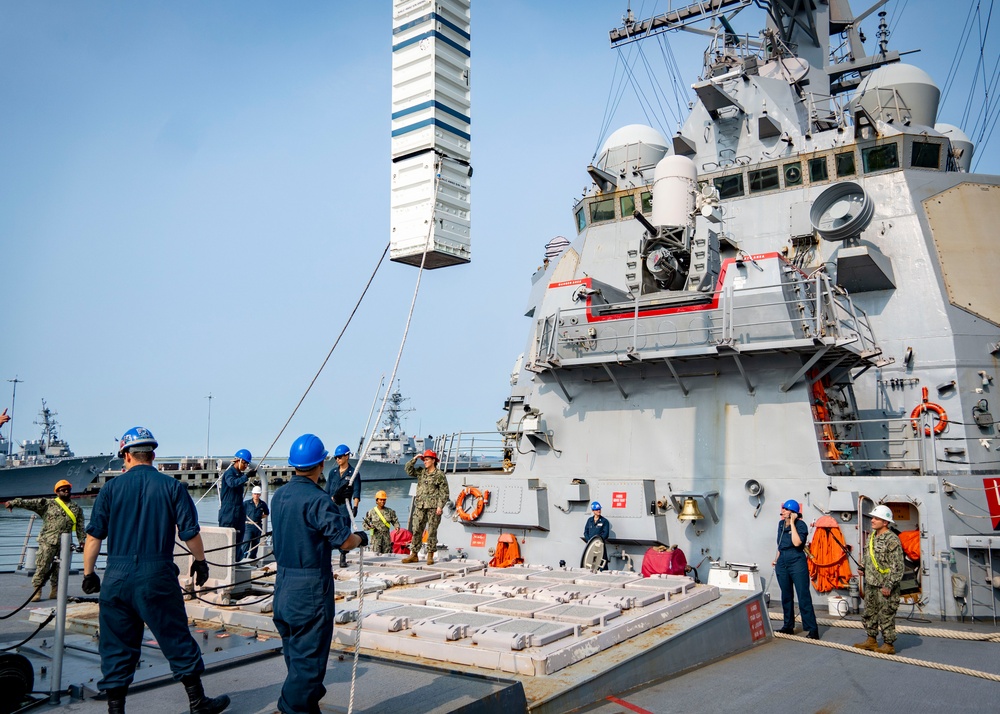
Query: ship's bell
{"points": [[690, 511]]}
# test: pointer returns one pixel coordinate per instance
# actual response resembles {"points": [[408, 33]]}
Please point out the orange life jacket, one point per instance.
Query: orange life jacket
{"points": [[910, 540], [829, 568], [507, 553]]}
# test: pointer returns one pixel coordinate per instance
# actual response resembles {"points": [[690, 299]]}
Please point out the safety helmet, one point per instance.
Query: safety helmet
{"points": [[881, 512], [60, 484], [381, 495], [256, 489], [595, 506], [137, 438], [243, 454], [430, 454], [306, 452], [791, 505], [342, 450]]}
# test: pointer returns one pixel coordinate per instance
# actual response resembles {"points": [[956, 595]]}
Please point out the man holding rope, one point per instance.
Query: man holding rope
{"points": [[342, 475], [256, 511], [231, 489], [141, 513], [306, 527]]}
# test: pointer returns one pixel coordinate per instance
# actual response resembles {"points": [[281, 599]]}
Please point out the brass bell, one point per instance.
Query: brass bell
{"points": [[690, 511]]}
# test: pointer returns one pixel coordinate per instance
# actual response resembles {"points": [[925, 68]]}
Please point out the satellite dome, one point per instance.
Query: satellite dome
{"points": [[901, 92], [633, 147], [961, 142]]}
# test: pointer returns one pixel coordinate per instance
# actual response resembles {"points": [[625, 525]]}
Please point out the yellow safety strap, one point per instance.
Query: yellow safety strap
{"points": [[67, 509], [871, 553], [382, 518]]}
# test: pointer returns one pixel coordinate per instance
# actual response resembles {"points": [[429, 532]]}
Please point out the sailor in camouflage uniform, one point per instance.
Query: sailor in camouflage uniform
{"points": [[882, 568], [428, 504], [379, 520], [59, 515]]}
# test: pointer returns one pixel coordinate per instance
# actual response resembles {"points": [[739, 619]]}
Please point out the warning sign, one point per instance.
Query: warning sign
{"points": [[478, 540], [756, 620], [618, 499]]}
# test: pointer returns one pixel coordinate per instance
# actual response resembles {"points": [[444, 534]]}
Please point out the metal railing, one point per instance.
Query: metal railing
{"points": [[472, 451]]}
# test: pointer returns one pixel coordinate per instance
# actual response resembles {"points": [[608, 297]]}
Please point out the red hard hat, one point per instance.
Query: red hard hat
{"points": [[429, 454]]}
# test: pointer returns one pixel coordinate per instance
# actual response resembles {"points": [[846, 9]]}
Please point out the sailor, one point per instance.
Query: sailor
{"points": [[380, 520], [428, 504], [882, 569], [338, 478], [231, 488], [256, 512], [141, 513], [598, 525], [59, 515], [306, 527], [791, 569]]}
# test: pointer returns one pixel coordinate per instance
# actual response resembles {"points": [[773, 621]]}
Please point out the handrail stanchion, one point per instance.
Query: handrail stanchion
{"points": [[57, 655], [27, 538]]}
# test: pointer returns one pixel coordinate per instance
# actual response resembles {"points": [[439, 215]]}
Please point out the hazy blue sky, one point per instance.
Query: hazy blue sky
{"points": [[193, 194]]}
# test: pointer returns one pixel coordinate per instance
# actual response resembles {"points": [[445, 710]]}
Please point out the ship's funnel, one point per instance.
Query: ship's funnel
{"points": [[841, 211], [961, 145], [675, 182], [899, 92]]}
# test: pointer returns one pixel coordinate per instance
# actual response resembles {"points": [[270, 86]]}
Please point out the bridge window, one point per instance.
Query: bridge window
{"points": [[880, 158], [729, 186], [763, 180], [845, 164], [647, 202], [818, 170], [581, 221], [926, 155], [793, 174], [628, 205], [603, 210]]}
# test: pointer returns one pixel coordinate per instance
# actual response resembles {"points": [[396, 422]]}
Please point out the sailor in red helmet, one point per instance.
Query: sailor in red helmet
{"points": [[428, 504]]}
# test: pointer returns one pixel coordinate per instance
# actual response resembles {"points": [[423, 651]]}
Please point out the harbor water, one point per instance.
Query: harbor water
{"points": [[14, 524]]}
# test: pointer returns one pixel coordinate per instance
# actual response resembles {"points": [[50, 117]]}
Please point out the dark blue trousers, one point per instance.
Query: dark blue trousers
{"points": [[143, 591], [303, 615], [792, 571]]}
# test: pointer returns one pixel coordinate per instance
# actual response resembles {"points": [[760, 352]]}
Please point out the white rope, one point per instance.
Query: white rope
{"points": [[378, 420], [907, 630], [895, 658]]}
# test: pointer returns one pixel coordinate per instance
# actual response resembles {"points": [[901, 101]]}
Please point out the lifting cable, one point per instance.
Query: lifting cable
{"points": [[29, 637]]}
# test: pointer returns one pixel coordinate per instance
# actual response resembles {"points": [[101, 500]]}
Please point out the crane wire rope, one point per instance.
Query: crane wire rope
{"points": [[956, 59]]}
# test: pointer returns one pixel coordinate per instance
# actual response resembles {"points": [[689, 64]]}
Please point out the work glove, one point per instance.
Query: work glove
{"points": [[199, 571], [252, 473], [364, 538], [343, 493], [91, 584]]}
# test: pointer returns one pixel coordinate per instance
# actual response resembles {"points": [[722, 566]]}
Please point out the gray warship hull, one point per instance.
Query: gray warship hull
{"points": [[38, 479]]}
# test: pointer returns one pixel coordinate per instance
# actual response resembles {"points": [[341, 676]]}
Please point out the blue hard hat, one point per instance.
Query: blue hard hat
{"points": [[138, 438], [244, 454], [791, 505], [306, 452], [342, 450], [595, 506]]}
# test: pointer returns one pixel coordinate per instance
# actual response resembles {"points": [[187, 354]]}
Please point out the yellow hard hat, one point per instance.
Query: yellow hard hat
{"points": [[60, 484], [382, 495]]}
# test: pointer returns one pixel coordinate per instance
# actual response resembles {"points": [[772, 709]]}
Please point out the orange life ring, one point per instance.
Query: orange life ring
{"points": [[482, 498], [926, 406]]}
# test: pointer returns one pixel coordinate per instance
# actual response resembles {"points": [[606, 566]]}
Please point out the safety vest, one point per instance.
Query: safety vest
{"points": [[67, 509], [871, 554]]}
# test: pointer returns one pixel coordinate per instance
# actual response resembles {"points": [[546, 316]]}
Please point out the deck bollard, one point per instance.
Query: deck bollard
{"points": [[55, 692]]}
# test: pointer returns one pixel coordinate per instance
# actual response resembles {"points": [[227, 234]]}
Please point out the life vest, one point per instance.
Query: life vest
{"points": [[821, 413], [401, 540], [829, 568], [507, 552], [663, 561], [910, 540]]}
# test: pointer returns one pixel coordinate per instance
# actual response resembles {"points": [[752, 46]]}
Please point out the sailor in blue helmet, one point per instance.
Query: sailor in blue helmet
{"points": [[231, 488], [307, 526], [338, 478], [598, 525], [791, 569], [140, 513]]}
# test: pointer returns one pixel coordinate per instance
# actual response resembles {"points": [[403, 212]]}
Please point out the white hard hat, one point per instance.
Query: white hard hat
{"points": [[256, 489], [881, 512]]}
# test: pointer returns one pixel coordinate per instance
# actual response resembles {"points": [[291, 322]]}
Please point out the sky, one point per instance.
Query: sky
{"points": [[193, 196]]}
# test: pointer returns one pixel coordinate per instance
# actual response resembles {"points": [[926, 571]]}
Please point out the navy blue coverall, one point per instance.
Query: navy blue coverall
{"points": [[336, 479], [141, 513], [254, 513], [792, 570], [231, 515], [306, 527], [600, 527]]}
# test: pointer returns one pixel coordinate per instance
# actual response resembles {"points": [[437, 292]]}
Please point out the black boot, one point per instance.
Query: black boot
{"points": [[343, 559], [200, 704], [116, 700]]}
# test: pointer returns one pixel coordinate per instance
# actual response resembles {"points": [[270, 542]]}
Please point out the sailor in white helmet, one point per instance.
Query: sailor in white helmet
{"points": [[882, 569]]}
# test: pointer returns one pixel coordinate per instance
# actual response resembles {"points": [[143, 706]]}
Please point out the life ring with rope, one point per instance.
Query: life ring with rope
{"points": [[481, 499], [926, 406]]}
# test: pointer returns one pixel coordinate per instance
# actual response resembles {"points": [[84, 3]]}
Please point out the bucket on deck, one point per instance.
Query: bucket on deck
{"points": [[838, 605]]}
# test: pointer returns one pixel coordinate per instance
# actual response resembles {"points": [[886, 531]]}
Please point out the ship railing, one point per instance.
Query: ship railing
{"points": [[472, 451], [804, 313]]}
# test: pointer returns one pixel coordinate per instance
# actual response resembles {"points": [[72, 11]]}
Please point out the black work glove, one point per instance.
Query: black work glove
{"points": [[199, 571], [364, 538], [341, 495], [91, 584]]}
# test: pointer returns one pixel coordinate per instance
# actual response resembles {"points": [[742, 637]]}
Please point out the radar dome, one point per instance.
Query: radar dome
{"points": [[901, 92], [633, 147], [961, 145]]}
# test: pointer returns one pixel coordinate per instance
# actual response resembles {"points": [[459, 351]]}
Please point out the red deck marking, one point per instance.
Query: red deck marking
{"points": [[627, 705]]}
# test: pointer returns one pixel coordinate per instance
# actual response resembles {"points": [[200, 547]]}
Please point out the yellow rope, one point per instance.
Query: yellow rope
{"points": [[895, 658]]}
